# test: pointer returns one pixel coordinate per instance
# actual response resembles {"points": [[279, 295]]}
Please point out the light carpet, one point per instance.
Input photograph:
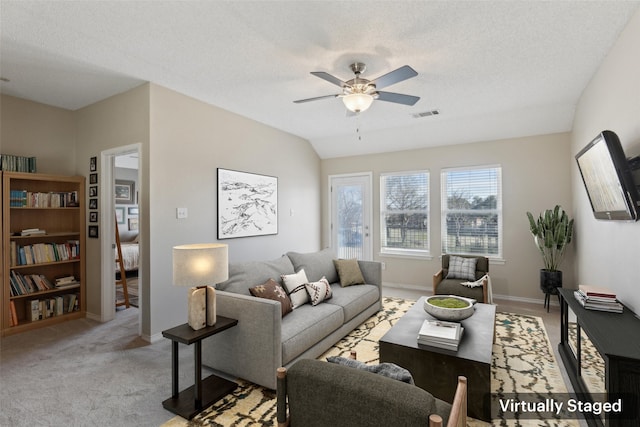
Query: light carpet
{"points": [[523, 362]]}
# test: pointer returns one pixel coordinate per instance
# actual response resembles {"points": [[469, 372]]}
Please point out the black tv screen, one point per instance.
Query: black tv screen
{"points": [[608, 180]]}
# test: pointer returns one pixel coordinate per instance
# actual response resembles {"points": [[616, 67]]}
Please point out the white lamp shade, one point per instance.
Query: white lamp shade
{"points": [[357, 102], [200, 264]]}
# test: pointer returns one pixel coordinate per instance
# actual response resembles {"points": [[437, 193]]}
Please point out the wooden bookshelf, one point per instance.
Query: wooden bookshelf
{"points": [[55, 204]]}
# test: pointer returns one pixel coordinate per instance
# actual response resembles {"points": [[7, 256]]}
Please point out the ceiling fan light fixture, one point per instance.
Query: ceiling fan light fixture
{"points": [[357, 102]]}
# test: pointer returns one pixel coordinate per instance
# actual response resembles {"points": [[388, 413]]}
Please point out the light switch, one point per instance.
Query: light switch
{"points": [[181, 213]]}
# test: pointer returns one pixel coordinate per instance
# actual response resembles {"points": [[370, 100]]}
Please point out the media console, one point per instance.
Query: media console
{"points": [[601, 352]]}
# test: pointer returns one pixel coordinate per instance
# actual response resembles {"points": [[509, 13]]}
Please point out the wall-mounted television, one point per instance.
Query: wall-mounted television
{"points": [[608, 180]]}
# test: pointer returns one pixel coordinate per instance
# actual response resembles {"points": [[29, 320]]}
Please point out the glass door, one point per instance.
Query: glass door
{"points": [[351, 216]]}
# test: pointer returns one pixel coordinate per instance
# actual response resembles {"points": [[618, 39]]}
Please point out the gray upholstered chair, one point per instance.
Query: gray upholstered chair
{"points": [[314, 393], [443, 284]]}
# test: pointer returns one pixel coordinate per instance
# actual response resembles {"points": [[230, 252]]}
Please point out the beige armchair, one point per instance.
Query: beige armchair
{"points": [[444, 284]]}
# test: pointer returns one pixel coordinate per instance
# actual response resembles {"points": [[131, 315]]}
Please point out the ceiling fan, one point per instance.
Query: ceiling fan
{"points": [[358, 93]]}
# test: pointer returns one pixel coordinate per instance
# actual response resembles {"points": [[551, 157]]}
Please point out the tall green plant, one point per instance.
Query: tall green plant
{"points": [[552, 233]]}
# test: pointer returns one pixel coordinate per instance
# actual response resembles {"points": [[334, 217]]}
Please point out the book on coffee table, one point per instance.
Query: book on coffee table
{"points": [[441, 334]]}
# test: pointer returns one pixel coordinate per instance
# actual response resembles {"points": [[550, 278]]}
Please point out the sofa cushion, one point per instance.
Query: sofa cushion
{"points": [[349, 272], [353, 299], [306, 326], [273, 291], [319, 291], [462, 268], [295, 286], [315, 264], [243, 275]]}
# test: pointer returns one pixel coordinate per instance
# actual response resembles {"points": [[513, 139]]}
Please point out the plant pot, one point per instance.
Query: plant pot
{"points": [[550, 281]]}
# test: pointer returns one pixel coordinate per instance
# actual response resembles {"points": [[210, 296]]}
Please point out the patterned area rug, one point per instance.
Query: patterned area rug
{"points": [[523, 362]]}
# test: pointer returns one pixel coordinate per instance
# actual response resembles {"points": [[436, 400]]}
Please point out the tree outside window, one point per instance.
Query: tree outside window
{"points": [[404, 212], [472, 211]]}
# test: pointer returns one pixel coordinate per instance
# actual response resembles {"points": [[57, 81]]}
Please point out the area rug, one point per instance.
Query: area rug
{"points": [[523, 362], [132, 289]]}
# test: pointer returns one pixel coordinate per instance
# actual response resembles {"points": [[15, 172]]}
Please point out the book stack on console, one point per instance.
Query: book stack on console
{"points": [[598, 298], [441, 334]]}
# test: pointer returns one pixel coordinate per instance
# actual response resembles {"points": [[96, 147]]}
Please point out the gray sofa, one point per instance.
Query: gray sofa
{"points": [[263, 340]]}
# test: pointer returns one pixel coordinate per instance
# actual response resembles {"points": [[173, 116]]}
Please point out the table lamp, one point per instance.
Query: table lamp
{"points": [[198, 266]]}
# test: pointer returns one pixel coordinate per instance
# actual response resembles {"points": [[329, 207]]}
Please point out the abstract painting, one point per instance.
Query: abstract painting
{"points": [[247, 204]]}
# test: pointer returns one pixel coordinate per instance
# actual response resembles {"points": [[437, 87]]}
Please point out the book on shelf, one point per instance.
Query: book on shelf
{"points": [[39, 253], [66, 282], [13, 316], [32, 232], [441, 334], [44, 308], [52, 199], [598, 303], [11, 163]]}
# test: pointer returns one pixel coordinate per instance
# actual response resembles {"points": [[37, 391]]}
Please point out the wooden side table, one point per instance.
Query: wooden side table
{"points": [[191, 401]]}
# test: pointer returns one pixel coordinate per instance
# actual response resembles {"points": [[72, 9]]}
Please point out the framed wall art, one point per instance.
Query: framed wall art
{"points": [[247, 204], [125, 192], [120, 215]]}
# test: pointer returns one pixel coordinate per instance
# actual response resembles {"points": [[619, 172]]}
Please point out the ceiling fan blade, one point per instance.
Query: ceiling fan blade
{"points": [[398, 98], [328, 77], [300, 101], [395, 76]]}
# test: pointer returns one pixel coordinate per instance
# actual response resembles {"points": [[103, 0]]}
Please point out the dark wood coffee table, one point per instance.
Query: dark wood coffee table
{"points": [[436, 370]]}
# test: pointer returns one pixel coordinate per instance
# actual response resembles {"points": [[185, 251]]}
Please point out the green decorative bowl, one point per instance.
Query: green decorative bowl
{"points": [[448, 307]]}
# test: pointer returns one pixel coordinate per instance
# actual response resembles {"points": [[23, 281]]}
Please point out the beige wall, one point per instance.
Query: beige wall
{"points": [[608, 250], [535, 176], [189, 141], [32, 129], [183, 142], [118, 121]]}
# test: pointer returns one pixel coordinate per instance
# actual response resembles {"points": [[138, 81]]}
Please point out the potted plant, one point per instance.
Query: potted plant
{"points": [[552, 232]]}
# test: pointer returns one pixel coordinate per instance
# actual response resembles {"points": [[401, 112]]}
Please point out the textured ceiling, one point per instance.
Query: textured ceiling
{"points": [[494, 69]]}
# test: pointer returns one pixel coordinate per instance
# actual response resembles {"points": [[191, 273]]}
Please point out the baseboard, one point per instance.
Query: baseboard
{"points": [[93, 316], [420, 288], [429, 291]]}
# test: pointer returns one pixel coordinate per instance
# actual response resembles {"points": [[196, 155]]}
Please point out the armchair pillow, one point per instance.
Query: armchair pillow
{"points": [[390, 370], [273, 291], [462, 268], [294, 283], [349, 272]]}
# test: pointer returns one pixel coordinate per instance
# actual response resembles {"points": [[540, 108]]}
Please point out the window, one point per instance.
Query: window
{"points": [[404, 213], [472, 211]]}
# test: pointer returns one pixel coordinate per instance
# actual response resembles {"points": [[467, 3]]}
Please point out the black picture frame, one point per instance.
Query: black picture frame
{"points": [[93, 216], [93, 203], [93, 164], [93, 191], [93, 178], [94, 232], [124, 191]]}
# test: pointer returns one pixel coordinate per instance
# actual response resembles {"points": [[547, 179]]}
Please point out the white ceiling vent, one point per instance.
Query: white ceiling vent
{"points": [[426, 114]]}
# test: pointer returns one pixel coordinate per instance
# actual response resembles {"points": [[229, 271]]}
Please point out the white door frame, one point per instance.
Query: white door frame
{"points": [[107, 222], [367, 206]]}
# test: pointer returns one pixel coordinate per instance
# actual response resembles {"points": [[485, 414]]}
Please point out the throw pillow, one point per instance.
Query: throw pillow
{"points": [[349, 272], [273, 291], [390, 370], [294, 284], [462, 268], [319, 291]]}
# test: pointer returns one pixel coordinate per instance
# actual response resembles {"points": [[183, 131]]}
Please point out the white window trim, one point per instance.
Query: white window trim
{"points": [[399, 252], [497, 258]]}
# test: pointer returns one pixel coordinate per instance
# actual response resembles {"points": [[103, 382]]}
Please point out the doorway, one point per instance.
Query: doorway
{"points": [[121, 177], [350, 201]]}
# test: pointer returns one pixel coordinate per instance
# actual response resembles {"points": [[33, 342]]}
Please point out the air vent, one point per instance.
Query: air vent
{"points": [[426, 114]]}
